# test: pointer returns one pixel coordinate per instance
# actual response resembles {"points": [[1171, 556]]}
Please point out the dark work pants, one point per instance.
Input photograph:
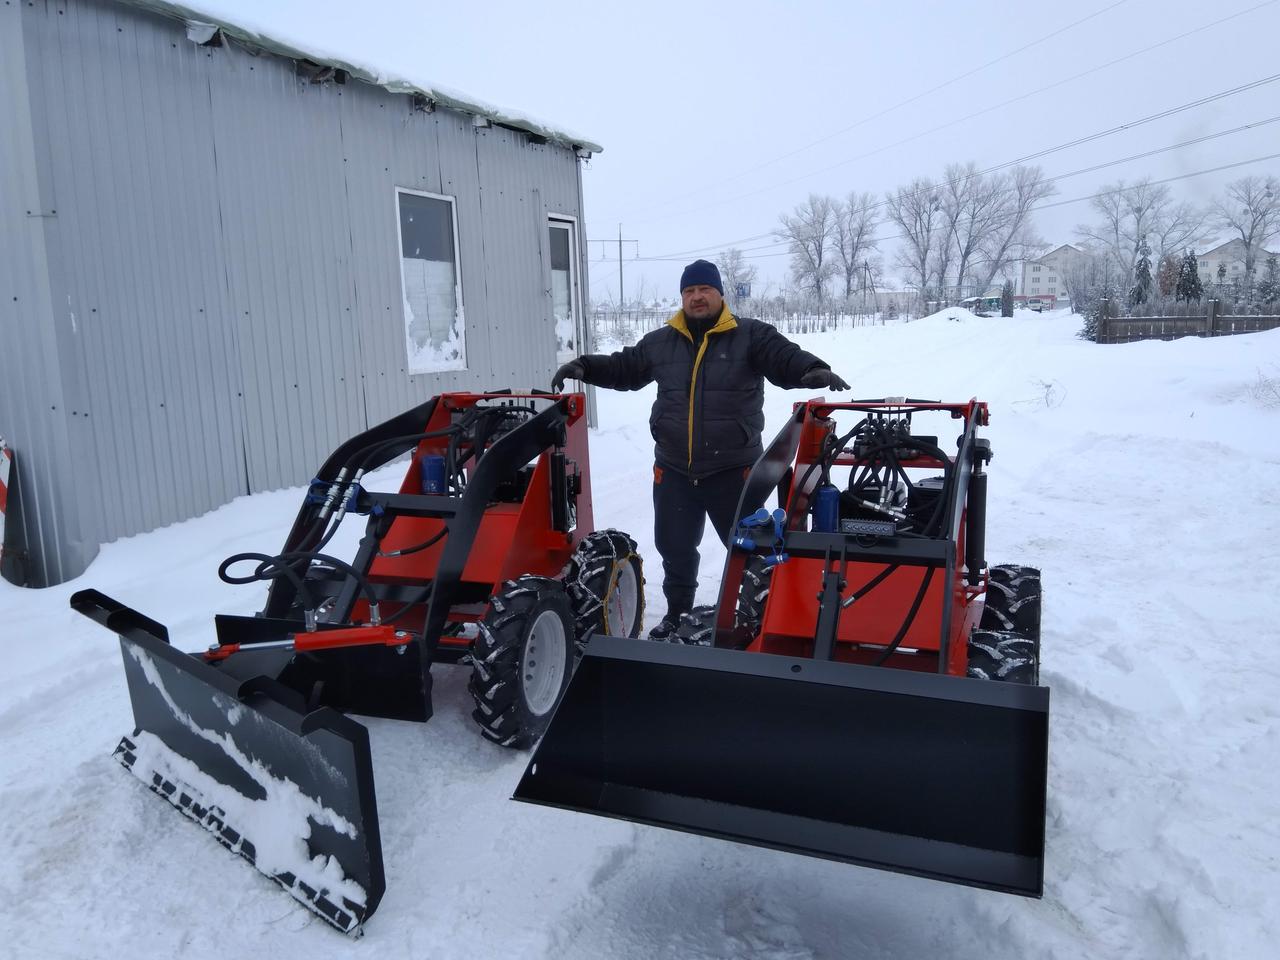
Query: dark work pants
{"points": [[680, 510]]}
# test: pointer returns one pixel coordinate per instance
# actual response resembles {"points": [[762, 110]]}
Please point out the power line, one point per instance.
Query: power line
{"points": [[903, 103], [1061, 203], [982, 112], [1104, 193], [1072, 173], [1157, 183], [1120, 128]]}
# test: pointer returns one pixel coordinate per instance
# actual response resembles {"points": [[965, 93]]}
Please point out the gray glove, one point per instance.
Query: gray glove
{"points": [[822, 377], [573, 370]]}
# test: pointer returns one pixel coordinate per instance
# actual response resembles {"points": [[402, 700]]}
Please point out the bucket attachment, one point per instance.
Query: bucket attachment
{"points": [[920, 773], [289, 790]]}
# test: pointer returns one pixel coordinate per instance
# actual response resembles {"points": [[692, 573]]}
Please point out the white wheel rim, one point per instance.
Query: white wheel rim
{"points": [[542, 666], [622, 601]]}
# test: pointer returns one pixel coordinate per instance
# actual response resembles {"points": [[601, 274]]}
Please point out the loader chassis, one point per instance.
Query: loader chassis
{"points": [[944, 567], [828, 705], [486, 556]]}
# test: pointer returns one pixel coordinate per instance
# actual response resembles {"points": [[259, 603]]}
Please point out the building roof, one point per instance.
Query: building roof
{"points": [[1220, 248], [202, 22], [1066, 247], [1232, 248]]}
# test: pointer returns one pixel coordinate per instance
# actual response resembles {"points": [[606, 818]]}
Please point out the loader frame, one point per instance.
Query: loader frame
{"points": [[952, 604], [260, 715], [834, 726]]}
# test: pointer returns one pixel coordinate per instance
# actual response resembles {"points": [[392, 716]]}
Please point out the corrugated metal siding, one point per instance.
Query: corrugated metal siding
{"points": [[135, 267], [387, 144], [44, 522], [280, 186], [224, 263]]}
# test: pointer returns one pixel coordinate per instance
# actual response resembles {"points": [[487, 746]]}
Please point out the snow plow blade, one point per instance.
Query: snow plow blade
{"points": [[936, 776], [291, 791]]}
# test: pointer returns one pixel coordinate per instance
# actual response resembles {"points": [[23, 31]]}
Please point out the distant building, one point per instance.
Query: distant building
{"points": [[1044, 278], [1231, 256]]}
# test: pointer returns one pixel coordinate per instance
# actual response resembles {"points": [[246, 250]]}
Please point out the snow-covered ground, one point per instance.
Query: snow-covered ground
{"points": [[1143, 479]]}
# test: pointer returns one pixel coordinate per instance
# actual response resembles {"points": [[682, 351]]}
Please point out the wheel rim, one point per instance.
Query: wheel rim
{"points": [[622, 601], [542, 666]]}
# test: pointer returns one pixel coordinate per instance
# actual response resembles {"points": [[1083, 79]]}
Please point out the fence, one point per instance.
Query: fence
{"points": [[627, 326], [1213, 319]]}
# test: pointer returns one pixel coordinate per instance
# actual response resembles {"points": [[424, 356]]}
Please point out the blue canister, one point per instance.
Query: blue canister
{"points": [[432, 473], [826, 508]]}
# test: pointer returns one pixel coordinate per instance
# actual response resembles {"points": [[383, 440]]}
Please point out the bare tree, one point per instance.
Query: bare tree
{"points": [[1011, 237], [1089, 284], [1177, 227], [1131, 213], [1251, 209], [734, 273], [1167, 274], [855, 229], [970, 228], [916, 210], [974, 206], [810, 230]]}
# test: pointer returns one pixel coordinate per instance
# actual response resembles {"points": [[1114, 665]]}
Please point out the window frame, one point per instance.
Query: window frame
{"points": [[568, 221], [459, 295]]}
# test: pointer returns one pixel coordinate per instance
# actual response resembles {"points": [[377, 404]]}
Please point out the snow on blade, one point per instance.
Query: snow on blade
{"points": [[277, 826]]}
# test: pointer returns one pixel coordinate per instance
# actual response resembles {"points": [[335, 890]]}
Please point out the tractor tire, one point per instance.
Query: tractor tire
{"points": [[1013, 601], [1004, 656], [753, 595], [605, 581], [697, 629], [522, 660]]}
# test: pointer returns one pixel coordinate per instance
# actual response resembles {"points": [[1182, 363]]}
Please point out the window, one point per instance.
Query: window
{"points": [[1053, 279], [564, 287], [434, 323], [1035, 268], [1035, 289], [1204, 264]]}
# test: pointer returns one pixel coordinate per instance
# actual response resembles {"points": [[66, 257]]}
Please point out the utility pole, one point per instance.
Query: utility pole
{"points": [[868, 283], [865, 283], [604, 258]]}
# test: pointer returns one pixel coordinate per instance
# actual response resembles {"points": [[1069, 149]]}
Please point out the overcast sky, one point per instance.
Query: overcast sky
{"points": [[717, 117]]}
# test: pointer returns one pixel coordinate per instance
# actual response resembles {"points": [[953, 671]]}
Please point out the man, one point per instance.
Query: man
{"points": [[710, 368]]}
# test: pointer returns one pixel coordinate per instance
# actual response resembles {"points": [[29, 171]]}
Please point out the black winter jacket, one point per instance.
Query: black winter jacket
{"points": [[710, 407]]}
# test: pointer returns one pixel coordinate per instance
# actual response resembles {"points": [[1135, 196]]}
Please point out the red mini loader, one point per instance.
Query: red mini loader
{"points": [[866, 689], [486, 557]]}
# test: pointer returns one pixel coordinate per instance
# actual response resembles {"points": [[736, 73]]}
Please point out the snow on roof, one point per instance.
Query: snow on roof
{"points": [[1217, 247], [1058, 249], [233, 24], [1231, 248]]}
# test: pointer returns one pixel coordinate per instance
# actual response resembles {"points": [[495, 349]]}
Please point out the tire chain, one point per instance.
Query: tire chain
{"points": [[586, 601], [493, 649]]}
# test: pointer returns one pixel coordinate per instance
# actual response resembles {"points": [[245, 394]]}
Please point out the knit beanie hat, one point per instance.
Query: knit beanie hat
{"points": [[701, 272]]}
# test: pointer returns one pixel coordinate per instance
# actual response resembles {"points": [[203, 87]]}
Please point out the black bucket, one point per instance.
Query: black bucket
{"points": [[274, 783], [930, 775]]}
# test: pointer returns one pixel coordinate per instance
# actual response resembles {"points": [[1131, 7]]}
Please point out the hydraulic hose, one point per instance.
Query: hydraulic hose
{"points": [[272, 568], [419, 547], [911, 616], [281, 571]]}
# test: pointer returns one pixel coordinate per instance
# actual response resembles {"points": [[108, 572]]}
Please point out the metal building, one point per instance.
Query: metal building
{"points": [[220, 256]]}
